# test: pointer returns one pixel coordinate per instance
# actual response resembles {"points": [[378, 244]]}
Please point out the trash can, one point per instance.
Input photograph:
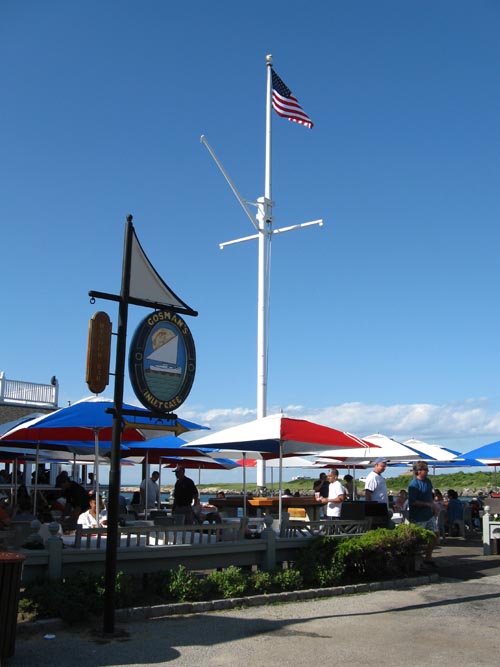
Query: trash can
{"points": [[494, 546], [11, 566]]}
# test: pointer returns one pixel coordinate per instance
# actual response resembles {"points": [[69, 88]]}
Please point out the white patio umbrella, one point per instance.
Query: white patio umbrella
{"points": [[280, 436], [381, 447], [430, 452]]}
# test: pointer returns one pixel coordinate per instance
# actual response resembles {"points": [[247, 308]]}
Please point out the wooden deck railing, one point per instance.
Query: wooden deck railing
{"points": [[161, 535], [201, 547]]}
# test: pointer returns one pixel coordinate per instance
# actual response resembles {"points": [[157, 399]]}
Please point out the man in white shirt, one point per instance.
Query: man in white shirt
{"points": [[150, 491], [375, 486], [335, 495]]}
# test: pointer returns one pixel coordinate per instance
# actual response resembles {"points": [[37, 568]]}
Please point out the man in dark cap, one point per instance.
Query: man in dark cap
{"points": [[185, 495]]}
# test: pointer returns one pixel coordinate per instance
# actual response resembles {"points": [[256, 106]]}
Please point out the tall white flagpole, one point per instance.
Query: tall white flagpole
{"points": [[263, 225], [264, 218]]}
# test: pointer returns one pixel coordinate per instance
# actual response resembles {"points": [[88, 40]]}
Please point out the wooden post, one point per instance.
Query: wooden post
{"points": [[269, 536], [55, 549]]}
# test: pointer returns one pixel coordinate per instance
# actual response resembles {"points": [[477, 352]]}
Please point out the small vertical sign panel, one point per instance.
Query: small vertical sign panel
{"points": [[98, 352]]}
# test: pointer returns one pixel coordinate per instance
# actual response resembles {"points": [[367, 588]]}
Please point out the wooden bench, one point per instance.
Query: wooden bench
{"points": [[325, 528]]}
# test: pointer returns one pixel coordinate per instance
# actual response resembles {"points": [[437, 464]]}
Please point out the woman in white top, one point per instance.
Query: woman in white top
{"points": [[335, 495], [88, 519]]}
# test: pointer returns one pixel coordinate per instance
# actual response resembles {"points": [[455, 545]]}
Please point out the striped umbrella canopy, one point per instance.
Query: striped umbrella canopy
{"points": [[432, 452], [278, 435], [199, 462], [88, 423], [488, 454], [377, 446], [83, 419]]}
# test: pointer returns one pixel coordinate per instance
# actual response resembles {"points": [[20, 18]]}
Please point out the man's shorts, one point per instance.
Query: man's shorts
{"points": [[430, 524]]}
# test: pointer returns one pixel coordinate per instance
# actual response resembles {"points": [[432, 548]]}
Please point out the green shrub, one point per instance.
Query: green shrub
{"points": [[381, 553], [127, 590], [378, 554], [325, 577], [288, 580], [183, 585], [316, 562], [261, 582], [73, 599], [229, 583]]}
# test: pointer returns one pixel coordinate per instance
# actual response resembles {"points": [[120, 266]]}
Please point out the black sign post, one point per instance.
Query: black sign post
{"points": [[124, 299]]}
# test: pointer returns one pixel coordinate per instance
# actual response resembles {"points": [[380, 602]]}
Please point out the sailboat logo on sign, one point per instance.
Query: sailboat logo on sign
{"points": [[162, 361]]}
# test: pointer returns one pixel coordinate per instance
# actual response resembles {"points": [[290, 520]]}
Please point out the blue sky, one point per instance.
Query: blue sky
{"points": [[386, 319]]}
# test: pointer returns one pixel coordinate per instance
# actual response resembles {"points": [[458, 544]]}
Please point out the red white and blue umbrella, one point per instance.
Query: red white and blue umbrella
{"points": [[278, 435], [89, 423]]}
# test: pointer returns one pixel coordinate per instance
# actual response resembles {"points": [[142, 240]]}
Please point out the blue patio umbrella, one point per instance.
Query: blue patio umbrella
{"points": [[158, 448], [90, 421], [6, 426], [459, 462], [490, 452], [82, 419]]}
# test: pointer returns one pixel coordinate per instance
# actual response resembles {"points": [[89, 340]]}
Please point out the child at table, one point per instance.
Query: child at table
{"points": [[88, 519]]}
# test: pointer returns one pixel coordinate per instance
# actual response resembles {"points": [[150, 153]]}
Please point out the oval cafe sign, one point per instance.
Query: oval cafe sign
{"points": [[162, 361]]}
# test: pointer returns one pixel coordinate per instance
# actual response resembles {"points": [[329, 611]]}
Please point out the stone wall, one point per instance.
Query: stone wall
{"points": [[9, 413]]}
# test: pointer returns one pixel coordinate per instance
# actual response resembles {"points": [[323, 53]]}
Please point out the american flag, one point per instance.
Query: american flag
{"points": [[286, 105]]}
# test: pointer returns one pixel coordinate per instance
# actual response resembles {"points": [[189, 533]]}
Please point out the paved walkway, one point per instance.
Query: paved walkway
{"points": [[454, 620]]}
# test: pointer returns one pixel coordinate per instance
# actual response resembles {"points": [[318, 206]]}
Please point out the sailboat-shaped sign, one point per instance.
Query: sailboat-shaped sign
{"points": [[165, 350], [162, 356]]}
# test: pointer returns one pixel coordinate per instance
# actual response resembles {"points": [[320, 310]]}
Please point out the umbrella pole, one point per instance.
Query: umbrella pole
{"points": [[13, 485], [280, 503], [36, 477], [96, 474], [159, 479], [244, 485], [146, 487]]}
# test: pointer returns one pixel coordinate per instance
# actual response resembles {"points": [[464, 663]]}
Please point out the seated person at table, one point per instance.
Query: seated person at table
{"points": [[22, 511], [349, 487], [88, 519], [206, 512], [401, 503], [61, 477], [136, 499], [475, 508], [454, 511]]}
